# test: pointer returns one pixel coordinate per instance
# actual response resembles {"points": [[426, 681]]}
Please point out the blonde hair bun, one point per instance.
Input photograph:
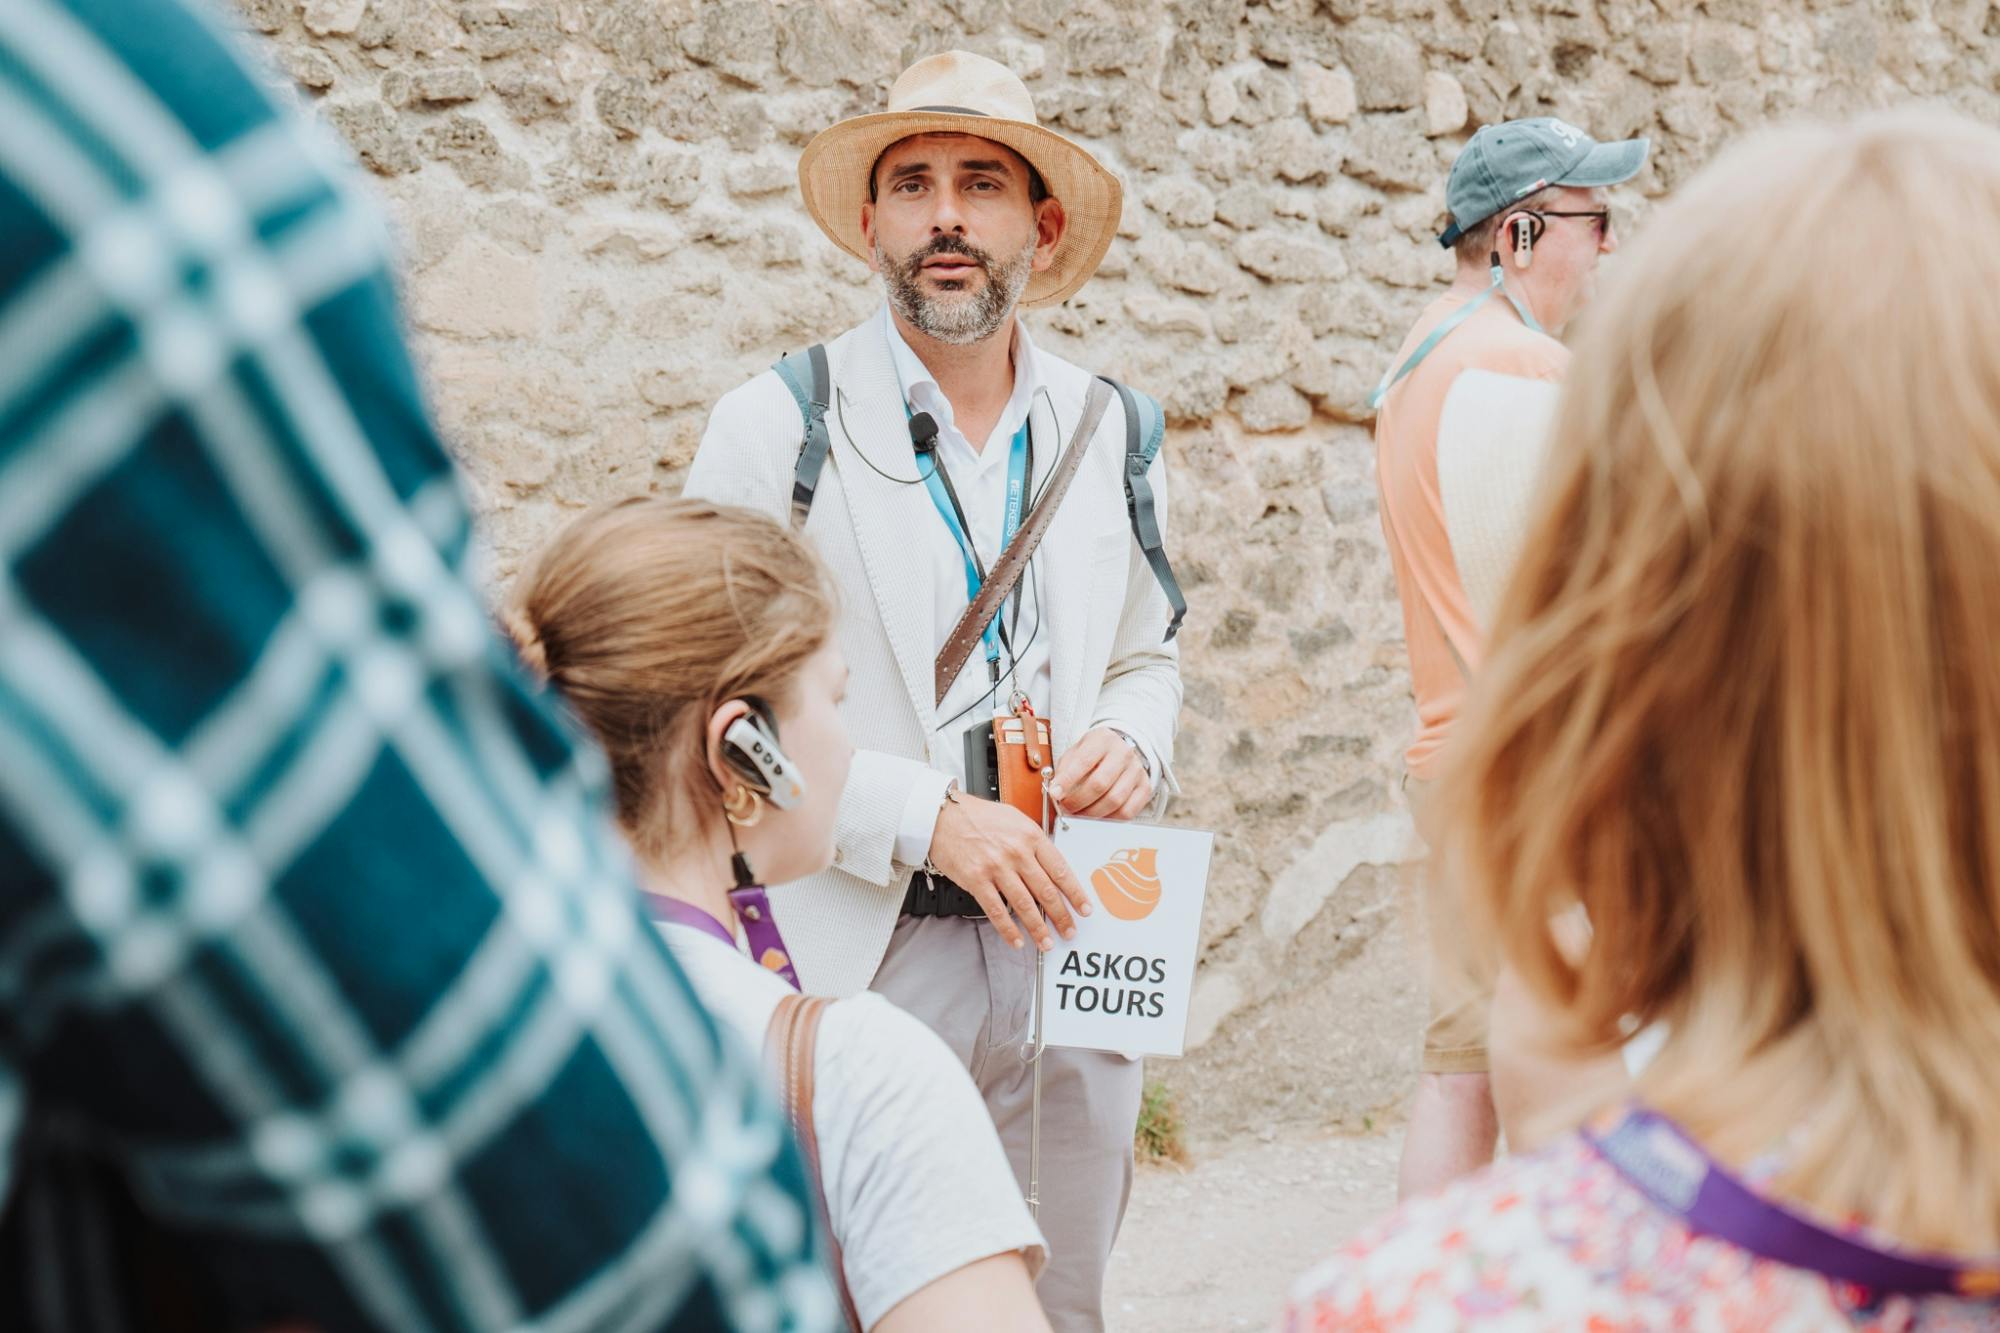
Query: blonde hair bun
{"points": [[663, 609], [527, 641]]}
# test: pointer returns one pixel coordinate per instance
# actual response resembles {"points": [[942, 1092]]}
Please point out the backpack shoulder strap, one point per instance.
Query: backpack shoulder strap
{"points": [[1145, 430], [1151, 421], [806, 374], [790, 1049]]}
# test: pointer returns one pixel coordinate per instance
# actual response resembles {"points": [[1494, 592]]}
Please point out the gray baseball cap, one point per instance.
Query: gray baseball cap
{"points": [[1513, 160]]}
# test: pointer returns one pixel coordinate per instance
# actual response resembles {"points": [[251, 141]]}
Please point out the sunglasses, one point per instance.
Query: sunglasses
{"points": [[1600, 217]]}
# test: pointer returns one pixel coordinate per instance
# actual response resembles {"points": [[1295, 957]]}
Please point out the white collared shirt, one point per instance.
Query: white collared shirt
{"points": [[980, 479]]}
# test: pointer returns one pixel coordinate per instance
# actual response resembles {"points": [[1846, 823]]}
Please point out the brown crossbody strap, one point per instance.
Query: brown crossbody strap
{"points": [[1013, 561], [790, 1044]]}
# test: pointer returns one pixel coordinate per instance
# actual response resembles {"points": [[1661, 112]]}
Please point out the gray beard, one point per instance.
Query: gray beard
{"points": [[959, 318]]}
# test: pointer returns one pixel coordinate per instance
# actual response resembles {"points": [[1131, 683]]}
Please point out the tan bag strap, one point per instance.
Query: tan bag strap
{"points": [[790, 1044], [1013, 561]]}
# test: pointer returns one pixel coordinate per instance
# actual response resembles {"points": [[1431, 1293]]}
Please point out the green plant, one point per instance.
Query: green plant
{"points": [[1159, 1137]]}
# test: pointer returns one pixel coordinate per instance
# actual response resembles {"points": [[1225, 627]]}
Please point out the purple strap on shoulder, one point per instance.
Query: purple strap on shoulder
{"points": [[1666, 1165], [760, 930], [753, 909], [662, 908]]}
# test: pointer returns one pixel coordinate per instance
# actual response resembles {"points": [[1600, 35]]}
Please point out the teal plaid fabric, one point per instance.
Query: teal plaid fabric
{"points": [[320, 969]]}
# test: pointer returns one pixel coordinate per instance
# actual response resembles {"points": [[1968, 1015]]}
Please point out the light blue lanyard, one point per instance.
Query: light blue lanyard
{"points": [[1017, 493], [1446, 329]]}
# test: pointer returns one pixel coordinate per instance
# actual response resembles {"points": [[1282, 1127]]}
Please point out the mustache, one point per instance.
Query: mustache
{"points": [[945, 244]]}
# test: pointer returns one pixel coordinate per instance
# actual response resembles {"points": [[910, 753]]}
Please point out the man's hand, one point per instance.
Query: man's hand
{"points": [[1102, 777], [1002, 858]]}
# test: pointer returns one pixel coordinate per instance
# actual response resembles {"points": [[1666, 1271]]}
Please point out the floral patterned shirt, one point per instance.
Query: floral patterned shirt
{"points": [[1559, 1240]]}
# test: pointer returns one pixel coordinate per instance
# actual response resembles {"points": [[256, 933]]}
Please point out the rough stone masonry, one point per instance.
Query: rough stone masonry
{"points": [[598, 210]]}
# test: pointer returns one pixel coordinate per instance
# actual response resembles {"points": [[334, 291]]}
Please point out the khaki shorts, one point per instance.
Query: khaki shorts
{"points": [[1459, 972]]}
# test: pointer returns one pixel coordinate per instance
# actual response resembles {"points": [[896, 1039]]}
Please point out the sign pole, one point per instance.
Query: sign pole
{"points": [[1035, 1104], [1035, 1113]]}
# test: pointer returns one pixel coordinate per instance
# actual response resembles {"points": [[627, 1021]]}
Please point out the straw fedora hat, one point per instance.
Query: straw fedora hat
{"points": [[956, 92], [1493, 435]]}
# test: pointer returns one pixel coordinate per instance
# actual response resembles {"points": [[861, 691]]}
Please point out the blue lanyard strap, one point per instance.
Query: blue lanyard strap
{"points": [[946, 504], [1448, 327]]}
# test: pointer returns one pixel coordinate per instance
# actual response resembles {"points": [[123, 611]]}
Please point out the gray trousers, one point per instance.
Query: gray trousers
{"points": [[961, 979]]}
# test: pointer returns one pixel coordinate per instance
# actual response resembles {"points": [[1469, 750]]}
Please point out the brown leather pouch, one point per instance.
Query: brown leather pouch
{"points": [[1021, 750]]}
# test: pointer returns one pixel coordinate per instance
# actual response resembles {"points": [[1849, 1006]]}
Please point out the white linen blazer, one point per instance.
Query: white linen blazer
{"points": [[1106, 617]]}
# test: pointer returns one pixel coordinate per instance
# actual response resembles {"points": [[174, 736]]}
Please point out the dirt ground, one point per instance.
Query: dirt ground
{"points": [[1216, 1245]]}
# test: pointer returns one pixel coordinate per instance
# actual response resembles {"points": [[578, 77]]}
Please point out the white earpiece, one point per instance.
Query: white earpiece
{"points": [[1524, 242], [753, 751]]}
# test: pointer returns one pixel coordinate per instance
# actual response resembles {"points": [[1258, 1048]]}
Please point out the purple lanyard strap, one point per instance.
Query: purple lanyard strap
{"points": [[1662, 1162], [753, 909]]}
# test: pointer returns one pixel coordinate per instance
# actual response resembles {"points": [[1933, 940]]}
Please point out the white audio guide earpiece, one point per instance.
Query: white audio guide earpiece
{"points": [[763, 762], [1524, 242]]}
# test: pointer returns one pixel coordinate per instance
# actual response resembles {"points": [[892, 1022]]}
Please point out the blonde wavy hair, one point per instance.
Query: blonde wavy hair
{"points": [[648, 615], [1742, 700]]}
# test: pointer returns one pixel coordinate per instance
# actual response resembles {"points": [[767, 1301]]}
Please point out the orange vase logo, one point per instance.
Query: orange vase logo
{"points": [[1129, 883]]}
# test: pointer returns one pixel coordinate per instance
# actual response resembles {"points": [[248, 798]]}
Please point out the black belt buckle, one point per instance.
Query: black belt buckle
{"points": [[934, 895]]}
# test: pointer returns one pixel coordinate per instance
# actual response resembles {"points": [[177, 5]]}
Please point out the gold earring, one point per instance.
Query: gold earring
{"points": [[742, 806]]}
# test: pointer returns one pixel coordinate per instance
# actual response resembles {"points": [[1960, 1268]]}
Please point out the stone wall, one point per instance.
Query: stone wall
{"points": [[602, 233]]}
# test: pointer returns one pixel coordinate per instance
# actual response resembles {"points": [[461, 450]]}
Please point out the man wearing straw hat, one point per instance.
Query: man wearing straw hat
{"points": [[1528, 224], [995, 517]]}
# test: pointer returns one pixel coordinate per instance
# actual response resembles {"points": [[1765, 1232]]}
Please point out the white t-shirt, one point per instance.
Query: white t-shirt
{"points": [[916, 1183]]}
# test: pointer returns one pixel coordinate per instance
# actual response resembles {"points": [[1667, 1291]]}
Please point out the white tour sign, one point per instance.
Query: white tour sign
{"points": [[1123, 983]]}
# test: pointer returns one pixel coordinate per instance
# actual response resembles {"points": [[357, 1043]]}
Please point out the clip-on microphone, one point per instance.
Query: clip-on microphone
{"points": [[923, 432]]}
